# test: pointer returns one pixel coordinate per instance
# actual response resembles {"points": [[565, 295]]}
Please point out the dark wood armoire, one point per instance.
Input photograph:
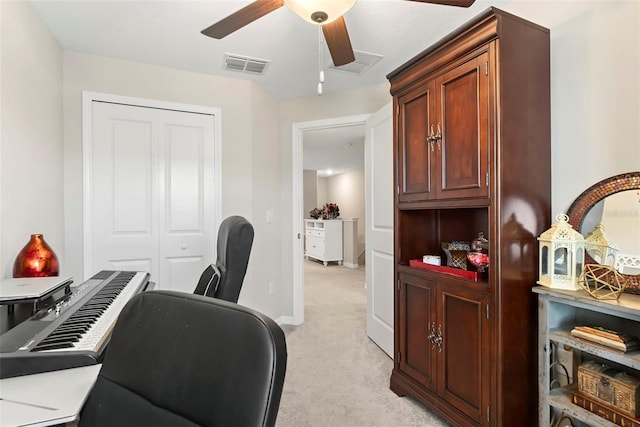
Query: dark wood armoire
{"points": [[472, 154]]}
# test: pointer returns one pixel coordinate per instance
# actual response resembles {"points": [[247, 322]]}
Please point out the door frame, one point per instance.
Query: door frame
{"points": [[87, 153], [297, 138]]}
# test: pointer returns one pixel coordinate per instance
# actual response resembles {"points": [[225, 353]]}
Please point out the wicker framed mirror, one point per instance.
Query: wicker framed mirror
{"points": [[593, 198]]}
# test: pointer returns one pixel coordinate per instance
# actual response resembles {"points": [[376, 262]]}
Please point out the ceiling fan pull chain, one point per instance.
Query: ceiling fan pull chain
{"points": [[321, 72]]}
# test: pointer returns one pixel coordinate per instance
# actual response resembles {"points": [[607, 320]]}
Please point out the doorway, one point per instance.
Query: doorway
{"points": [[298, 131]]}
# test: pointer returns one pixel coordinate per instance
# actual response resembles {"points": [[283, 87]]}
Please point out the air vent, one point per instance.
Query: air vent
{"points": [[244, 64], [363, 62]]}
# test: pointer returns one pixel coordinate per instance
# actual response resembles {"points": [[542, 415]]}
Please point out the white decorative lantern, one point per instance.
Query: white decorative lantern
{"points": [[599, 247], [561, 256]]}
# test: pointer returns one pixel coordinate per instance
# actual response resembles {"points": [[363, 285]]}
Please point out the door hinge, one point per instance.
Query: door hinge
{"points": [[298, 236], [488, 415], [398, 285], [398, 189], [487, 311], [486, 178], [486, 68]]}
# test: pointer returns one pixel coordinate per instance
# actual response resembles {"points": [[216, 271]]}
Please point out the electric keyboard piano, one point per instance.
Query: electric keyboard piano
{"points": [[73, 331]]}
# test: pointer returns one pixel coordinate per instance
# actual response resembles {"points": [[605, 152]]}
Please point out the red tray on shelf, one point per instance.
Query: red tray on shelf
{"points": [[471, 275]]}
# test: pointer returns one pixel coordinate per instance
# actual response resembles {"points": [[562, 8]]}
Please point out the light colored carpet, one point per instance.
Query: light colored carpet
{"points": [[336, 376]]}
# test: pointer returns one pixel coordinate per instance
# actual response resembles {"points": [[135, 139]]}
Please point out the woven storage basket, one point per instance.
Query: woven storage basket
{"points": [[611, 386]]}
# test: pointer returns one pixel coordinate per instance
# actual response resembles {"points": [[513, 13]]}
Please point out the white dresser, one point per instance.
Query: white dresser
{"points": [[323, 240]]}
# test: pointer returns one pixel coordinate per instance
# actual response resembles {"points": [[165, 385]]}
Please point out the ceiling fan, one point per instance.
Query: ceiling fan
{"points": [[327, 13]]}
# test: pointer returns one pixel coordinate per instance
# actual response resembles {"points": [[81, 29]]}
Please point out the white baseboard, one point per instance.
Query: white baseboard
{"points": [[348, 264], [285, 320]]}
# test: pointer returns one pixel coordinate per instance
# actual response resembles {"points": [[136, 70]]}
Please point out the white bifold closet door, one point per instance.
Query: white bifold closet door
{"points": [[151, 193]]}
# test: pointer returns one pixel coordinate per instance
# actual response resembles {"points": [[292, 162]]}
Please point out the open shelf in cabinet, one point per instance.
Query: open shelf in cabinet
{"points": [[422, 231]]}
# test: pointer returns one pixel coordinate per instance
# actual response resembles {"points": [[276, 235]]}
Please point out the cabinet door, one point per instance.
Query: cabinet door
{"points": [[416, 314], [463, 365], [314, 247], [463, 129], [415, 154]]}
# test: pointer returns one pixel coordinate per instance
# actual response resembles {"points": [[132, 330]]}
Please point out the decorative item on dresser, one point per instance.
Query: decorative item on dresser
{"points": [[607, 337], [456, 253], [471, 152], [608, 412], [561, 255], [602, 281], [612, 386], [479, 254], [621, 221], [599, 247], [36, 259], [328, 211]]}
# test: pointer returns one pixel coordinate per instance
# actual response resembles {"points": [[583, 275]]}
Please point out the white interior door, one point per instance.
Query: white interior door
{"points": [[379, 227], [151, 193], [186, 225]]}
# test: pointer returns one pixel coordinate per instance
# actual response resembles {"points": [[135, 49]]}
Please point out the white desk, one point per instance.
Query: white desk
{"points": [[45, 399]]}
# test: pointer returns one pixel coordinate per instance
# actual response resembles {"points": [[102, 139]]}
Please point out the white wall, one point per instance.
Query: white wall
{"points": [[264, 265], [250, 178], [347, 190], [31, 160], [322, 191], [595, 90], [309, 191]]}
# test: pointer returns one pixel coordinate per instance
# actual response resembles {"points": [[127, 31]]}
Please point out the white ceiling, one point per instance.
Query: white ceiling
{"points": [[167, 33], [333, 151]]}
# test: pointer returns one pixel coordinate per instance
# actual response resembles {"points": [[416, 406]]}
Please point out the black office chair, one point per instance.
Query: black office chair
{"points": [[209, 281], [178, 359], [223, 280]]}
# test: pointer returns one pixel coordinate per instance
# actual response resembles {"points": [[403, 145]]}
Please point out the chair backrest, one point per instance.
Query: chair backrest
{"points": [[209, 281], [235, 238], [178, 359]]}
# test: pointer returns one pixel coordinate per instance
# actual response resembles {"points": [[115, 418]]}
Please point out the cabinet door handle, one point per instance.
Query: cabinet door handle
{"points": [[432, 335], [431, 138], [438, 136], [438, 339]]}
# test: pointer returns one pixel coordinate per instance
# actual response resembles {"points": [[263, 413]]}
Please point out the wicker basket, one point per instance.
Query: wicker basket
{"points": [[611, 386]]}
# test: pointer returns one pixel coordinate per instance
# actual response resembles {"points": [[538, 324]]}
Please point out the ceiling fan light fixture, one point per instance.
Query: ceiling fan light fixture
{"points": [[320, 12]]}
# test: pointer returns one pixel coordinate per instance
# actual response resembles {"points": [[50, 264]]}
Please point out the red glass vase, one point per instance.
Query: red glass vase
{"points": [[36, 259]]}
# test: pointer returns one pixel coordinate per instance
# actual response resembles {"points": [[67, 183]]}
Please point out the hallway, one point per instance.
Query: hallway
{"points": [[336, 376]]}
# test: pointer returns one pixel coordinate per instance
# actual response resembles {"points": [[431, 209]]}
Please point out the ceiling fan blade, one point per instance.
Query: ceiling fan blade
{"points": [[239, 19], [338, 42], [460, 3]]}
